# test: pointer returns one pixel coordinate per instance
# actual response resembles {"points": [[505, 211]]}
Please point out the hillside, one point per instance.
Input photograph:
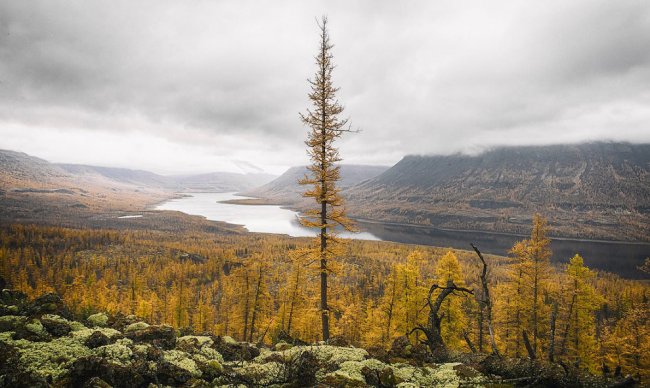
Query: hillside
{"points": [[597, 190], [285, 189], [210, 182], [33, 190]]}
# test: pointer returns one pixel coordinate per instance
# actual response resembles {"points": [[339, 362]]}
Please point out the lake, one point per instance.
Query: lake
{"points": [[618, 257], [255, 218]]}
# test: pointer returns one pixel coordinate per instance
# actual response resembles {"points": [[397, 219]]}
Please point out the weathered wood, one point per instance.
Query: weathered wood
{"points": [[529, 348], [551, 341], [469, 342], [487, 302], [432, 329]]}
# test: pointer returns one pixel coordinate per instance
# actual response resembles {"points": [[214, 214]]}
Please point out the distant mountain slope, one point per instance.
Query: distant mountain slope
{"points": [[123, 175], [216, 181], [220, 181], [285, 189], [589, 190], [18, 168]]}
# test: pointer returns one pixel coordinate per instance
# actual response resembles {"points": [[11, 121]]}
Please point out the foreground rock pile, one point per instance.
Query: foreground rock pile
{"points": [[40, 345]]}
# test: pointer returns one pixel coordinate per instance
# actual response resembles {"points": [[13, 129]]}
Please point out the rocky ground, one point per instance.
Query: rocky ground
{"points": [[42, 346]]}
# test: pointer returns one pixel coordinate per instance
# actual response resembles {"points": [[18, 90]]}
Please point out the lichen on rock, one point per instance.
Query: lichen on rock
{"points": [[99, 319], [47, 358], [117, 352], [83, 334], [183, 361], [136, 327]]}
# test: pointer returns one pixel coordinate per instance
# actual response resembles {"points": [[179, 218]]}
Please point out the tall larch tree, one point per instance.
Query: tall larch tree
{"points": [[531, 276], [454, 320], [324, 172], [579, 332]]}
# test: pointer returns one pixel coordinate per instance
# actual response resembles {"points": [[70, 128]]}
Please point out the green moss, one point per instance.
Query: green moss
{"points": [[261, 374], [200, 340], [141, 349], [82, 335], [280, 346], [74, 325], [351, 370], [229, 340], [183, 361], [47, 358], [214, 367], [442, 376], [333, 355], [136, 326], [118, 353], [99, 319], [11, 322], [9, 308], [36, 327]]}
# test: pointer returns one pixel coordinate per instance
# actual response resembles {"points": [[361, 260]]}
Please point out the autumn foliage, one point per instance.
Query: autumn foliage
{"points": [[257, 288]]}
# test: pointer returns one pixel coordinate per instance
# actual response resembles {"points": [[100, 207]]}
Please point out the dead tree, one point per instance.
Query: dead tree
{"points": [[432, 330], [487, 302], [529, 348]]}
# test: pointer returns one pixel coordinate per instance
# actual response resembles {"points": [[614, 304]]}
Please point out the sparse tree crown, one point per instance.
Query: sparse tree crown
{"points": [[324, 172]]}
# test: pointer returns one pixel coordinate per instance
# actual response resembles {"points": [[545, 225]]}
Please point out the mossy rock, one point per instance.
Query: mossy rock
{"points": [[8, 309], [86, 368], [12, 322], [58, 326], [162, 336], [98, 320], [32, 331], [13, 298], [137, 326], [280, 346], [48, 360], [182, 360]]}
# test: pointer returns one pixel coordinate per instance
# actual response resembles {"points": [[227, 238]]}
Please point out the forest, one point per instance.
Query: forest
{"points": [[263, 288]]}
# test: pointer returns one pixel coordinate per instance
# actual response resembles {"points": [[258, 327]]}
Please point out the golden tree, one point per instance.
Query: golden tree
{"points": [[579, 335], [324, 171], [531, 275], [454, 321]]}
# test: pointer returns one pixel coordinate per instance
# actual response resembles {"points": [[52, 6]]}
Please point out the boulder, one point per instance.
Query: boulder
{"points": [[48, 304], [98, 320], [13, 298], [232, 350], [32, 330], [162, 336], [280, 346], [302, 370], [96, 382], [55, 325], [97, 339], [11, 322], [401, 347], [86, 368]]}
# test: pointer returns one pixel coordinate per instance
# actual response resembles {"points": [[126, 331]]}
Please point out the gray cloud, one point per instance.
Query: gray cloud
{"points": [[228, 78]]}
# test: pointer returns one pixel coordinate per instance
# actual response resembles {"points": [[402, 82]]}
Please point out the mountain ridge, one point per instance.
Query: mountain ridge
{"points": [[594, 188], [285, 190]]}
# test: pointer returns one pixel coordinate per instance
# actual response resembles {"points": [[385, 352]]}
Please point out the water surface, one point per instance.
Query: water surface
{"points": [[618, 257], [255, 218]]}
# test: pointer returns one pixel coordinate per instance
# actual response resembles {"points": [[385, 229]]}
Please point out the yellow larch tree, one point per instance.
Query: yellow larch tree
{"points": [[324, 172], [454, 321], [529, 278], [581, 301]]}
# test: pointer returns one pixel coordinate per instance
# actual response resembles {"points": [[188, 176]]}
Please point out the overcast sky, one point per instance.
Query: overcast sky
{"points": [[201, 86]]}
